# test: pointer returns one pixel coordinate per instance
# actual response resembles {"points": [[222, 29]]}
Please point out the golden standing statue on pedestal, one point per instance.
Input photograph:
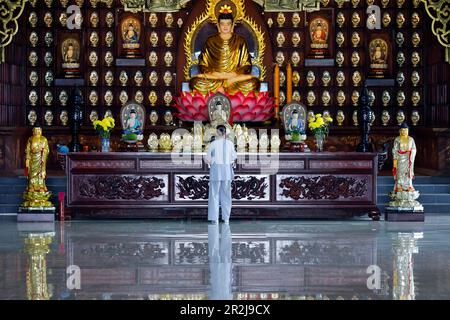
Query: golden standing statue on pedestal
{"points": [[36, 151], [404, 196], [225, 61]]}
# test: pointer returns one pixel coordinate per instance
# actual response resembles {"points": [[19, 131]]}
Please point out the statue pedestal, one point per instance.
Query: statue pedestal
{"points": [[404, 207], [38, 214]]}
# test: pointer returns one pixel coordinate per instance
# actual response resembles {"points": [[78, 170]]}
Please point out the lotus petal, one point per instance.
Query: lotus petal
{"points": [[240, 109], [197, 102], [240, 96], [263, 116], [250, 102], [258, 109], [237, 117], [248, 116]]}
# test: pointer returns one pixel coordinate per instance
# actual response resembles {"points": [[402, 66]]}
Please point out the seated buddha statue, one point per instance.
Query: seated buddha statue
{"points": [[225, 61]]}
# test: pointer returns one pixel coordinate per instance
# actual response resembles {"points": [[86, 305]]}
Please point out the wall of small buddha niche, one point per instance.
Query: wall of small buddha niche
{"points": [[37, 78], [56, 56]]}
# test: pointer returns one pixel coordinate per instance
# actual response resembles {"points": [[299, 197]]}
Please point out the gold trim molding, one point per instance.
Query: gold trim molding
{"points": [[210, 16], [10, 12], [439, 12]]}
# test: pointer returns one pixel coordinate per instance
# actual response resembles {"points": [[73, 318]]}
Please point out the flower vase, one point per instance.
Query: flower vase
{"points": [[319, 142], [105, 145]]}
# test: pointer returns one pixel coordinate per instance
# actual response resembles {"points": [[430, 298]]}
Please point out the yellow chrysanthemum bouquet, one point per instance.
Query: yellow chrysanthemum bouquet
{"points": [[104, 127], [320, 127]]}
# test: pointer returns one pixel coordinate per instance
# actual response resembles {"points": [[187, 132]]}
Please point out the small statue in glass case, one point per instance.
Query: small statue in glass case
{"points": [[385, 118], [48, 98], [340, 98], [48, 117], [168, 59]]}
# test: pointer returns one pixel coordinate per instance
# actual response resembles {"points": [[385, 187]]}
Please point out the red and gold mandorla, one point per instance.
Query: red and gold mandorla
{"points": [[250, 108]]}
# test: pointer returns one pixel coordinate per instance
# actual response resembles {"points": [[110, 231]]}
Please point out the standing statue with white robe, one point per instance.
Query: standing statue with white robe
{"points": [[220, 156]]}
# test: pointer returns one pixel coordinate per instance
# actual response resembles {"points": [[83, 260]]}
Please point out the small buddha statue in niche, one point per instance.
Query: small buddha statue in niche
{"points": [[225, 61]]}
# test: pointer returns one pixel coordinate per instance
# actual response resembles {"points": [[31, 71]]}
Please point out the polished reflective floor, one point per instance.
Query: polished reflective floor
{"points": [[310, 260]]}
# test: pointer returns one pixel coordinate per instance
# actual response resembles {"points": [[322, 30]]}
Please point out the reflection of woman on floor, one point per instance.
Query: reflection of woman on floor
{"points": [[219, 252]]}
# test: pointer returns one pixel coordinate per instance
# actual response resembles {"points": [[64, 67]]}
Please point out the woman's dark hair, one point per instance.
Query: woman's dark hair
{"points": [[212, 139], [221, 128], [404, 126], [225, 16]]}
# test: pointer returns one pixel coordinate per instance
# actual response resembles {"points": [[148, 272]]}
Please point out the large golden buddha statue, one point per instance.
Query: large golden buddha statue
{"points": [[225, 61]]}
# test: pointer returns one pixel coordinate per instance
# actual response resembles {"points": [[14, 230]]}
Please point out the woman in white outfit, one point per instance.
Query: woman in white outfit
{"points": [[220, 156]]}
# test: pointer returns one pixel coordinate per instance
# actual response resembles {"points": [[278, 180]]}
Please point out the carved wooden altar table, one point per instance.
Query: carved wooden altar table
{"points": [[166, 185]]}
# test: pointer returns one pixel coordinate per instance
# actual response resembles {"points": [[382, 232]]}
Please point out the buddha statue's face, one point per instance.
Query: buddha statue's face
{"points": [[37, 132], [32, 117], [415, 78], [93, 98], [33, 58], [280, 39], [153, 19], [386, 98], [355, 117], [386, 19], [340, 117], [385, 117], [153, 58], [33, 97], [401, 98], [400, 58], [355, 19], [310, 78], [93, 116], [153, 78], [93, 58], [108, 98], [153, 117], [295, 78], [168, 58], [340, 39], [139, 97], [109, 19], [341, 98], [415, 98], [400, 39], [33, 78], [415, 58], [48, 118], [340, 19], [33, 39], [400, 20], [279, 58], [415, 19], [415, 117], [169, 20], [168, 39], [400, 78], [340, 58], [296, 19], [355, 58], [48, 58], [404, 132], [109, 58], [415, 39], [356, 78], [225, 26], [340, 78], [355, 98], [295, 58], [326, 78], [138, 78], [326, 98], [94, 19]]}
